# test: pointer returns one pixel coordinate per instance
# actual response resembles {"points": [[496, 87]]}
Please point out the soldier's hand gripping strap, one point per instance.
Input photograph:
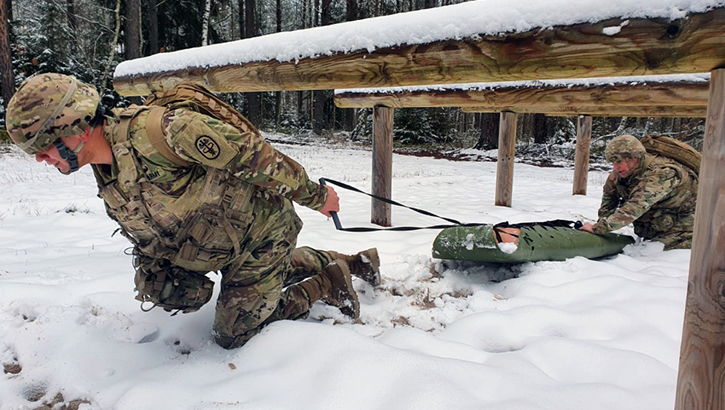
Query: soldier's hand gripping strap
{"points": [[170, 287]]}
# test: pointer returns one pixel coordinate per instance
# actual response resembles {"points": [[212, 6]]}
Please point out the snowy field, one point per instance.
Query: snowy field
{"points": [[579, 334]]}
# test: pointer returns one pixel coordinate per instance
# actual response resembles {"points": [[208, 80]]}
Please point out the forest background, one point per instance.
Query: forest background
{"points": [[88, 38]]}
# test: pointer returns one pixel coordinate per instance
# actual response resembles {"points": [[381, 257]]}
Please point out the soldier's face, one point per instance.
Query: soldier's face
{"points": [[624, 167], [51, 156]]}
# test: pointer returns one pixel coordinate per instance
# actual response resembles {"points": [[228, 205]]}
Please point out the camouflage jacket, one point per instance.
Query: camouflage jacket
{"points": [[198, 216], [654, 197]]}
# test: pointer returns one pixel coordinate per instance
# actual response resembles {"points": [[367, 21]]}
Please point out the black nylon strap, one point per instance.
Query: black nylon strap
{"points": [[67, 154], [339, 227]]}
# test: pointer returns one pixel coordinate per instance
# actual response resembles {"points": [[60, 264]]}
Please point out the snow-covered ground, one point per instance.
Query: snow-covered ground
{"points": [[579, 334]]}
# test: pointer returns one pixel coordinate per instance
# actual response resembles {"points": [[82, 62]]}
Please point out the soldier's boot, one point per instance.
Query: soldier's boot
{"points": [[365, 265], [334, 286]]}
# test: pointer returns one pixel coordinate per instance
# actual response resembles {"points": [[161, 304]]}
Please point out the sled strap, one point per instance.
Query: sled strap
{"points": [[339, 227]]}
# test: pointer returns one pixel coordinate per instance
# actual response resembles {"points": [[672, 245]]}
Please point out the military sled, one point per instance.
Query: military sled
{"points": [[525, 242]]}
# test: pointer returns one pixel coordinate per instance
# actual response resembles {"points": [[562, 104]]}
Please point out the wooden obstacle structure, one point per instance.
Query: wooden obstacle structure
{"points": [[682, 96], [694, 43]]}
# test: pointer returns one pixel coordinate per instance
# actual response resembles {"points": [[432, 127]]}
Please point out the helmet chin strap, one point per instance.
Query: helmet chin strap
{"points": [[70, 156]]}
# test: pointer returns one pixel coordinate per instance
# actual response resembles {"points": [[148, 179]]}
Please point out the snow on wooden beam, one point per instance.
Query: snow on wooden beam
{"points": [[600, 111], [684, 90], [693, 43]]}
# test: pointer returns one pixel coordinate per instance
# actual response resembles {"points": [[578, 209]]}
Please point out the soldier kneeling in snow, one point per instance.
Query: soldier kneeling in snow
{"points": [[194, 194], [655, 193]]}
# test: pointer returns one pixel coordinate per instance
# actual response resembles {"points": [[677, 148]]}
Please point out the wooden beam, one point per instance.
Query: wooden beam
{"points": [[382, 183], [505, 164], [601, 111], [648, 93], [692, 44], [581, 158], [702, 353]]}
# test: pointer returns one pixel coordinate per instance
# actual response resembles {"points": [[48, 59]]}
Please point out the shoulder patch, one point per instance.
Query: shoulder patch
{"points": [[612, 176], [196, 139], [207, 147]]}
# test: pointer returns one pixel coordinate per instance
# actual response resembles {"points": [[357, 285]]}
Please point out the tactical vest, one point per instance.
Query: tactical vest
{"points": [[679, 203], [200, 229]]}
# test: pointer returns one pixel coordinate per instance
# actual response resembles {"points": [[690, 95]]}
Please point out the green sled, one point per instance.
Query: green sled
{"points": [[538, 241]]}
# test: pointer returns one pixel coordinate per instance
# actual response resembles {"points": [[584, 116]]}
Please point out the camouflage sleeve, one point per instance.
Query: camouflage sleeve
{"points": [[610, 197], [208, 141], [653, 187]]}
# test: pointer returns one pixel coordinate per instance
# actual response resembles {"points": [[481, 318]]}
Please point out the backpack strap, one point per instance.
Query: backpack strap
{"points": [[155, 132]]}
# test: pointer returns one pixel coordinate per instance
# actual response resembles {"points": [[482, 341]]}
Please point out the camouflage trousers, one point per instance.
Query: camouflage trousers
{"points": [[257, 292], [675, 231]]}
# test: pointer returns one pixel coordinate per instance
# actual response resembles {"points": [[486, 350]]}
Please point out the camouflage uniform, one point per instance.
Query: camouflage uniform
{"points": [[658, 197], [222, 203], [230, 212]]}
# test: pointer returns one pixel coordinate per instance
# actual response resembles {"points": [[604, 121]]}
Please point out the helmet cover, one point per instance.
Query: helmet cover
{"points": [[47, 107], [623, 147]]}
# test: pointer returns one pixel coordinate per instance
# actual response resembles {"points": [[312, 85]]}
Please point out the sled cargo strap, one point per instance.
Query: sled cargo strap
{"points": [[339, 227]]}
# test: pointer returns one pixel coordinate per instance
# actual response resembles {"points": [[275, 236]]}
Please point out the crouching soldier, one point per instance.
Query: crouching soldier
{"points": [[654, 193], [194, 194]]}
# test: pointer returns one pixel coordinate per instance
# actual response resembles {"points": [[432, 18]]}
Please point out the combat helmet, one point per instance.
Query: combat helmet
{"points": [[47, 107], [623, 147]]}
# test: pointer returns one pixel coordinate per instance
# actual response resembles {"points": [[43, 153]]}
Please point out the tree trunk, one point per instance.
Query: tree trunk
{"points": [[325, 13], [320, 120], [132, 34], [153, 25], [278, 94], [71, 13], [6, 65], [9, 11], [351, 10], [348, 113], [205, 23], [114, 43], [242, 19], [254, 100], [489, 131], [540, 136]]}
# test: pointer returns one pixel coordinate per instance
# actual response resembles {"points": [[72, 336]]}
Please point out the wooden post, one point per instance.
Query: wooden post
{"points": [[581, 159], [382, 164], [702, 353], [506, 153]]}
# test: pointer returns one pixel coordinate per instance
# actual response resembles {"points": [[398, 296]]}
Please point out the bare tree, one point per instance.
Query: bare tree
{"points": [[71, 13], [205, 23], [489, 131], [6, 65], [254, 100], [540, 134], [319, 97], [153, 27], [111, 53], [132, 30]]}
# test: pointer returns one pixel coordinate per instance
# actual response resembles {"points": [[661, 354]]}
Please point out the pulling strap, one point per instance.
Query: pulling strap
{"points": [[496, 228], [339, 227]]}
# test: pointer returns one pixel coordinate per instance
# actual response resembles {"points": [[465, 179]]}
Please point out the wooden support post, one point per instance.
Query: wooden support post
{"points": [[506, 153], [702, 353], [382, 164], [581, 159]]}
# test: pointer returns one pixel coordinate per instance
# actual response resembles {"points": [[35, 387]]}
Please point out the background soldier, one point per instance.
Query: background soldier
{"points": [[223, 205], [655, 193]]}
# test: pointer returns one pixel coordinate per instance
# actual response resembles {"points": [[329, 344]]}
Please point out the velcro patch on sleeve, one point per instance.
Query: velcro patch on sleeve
{"points": [[199, 141]]}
